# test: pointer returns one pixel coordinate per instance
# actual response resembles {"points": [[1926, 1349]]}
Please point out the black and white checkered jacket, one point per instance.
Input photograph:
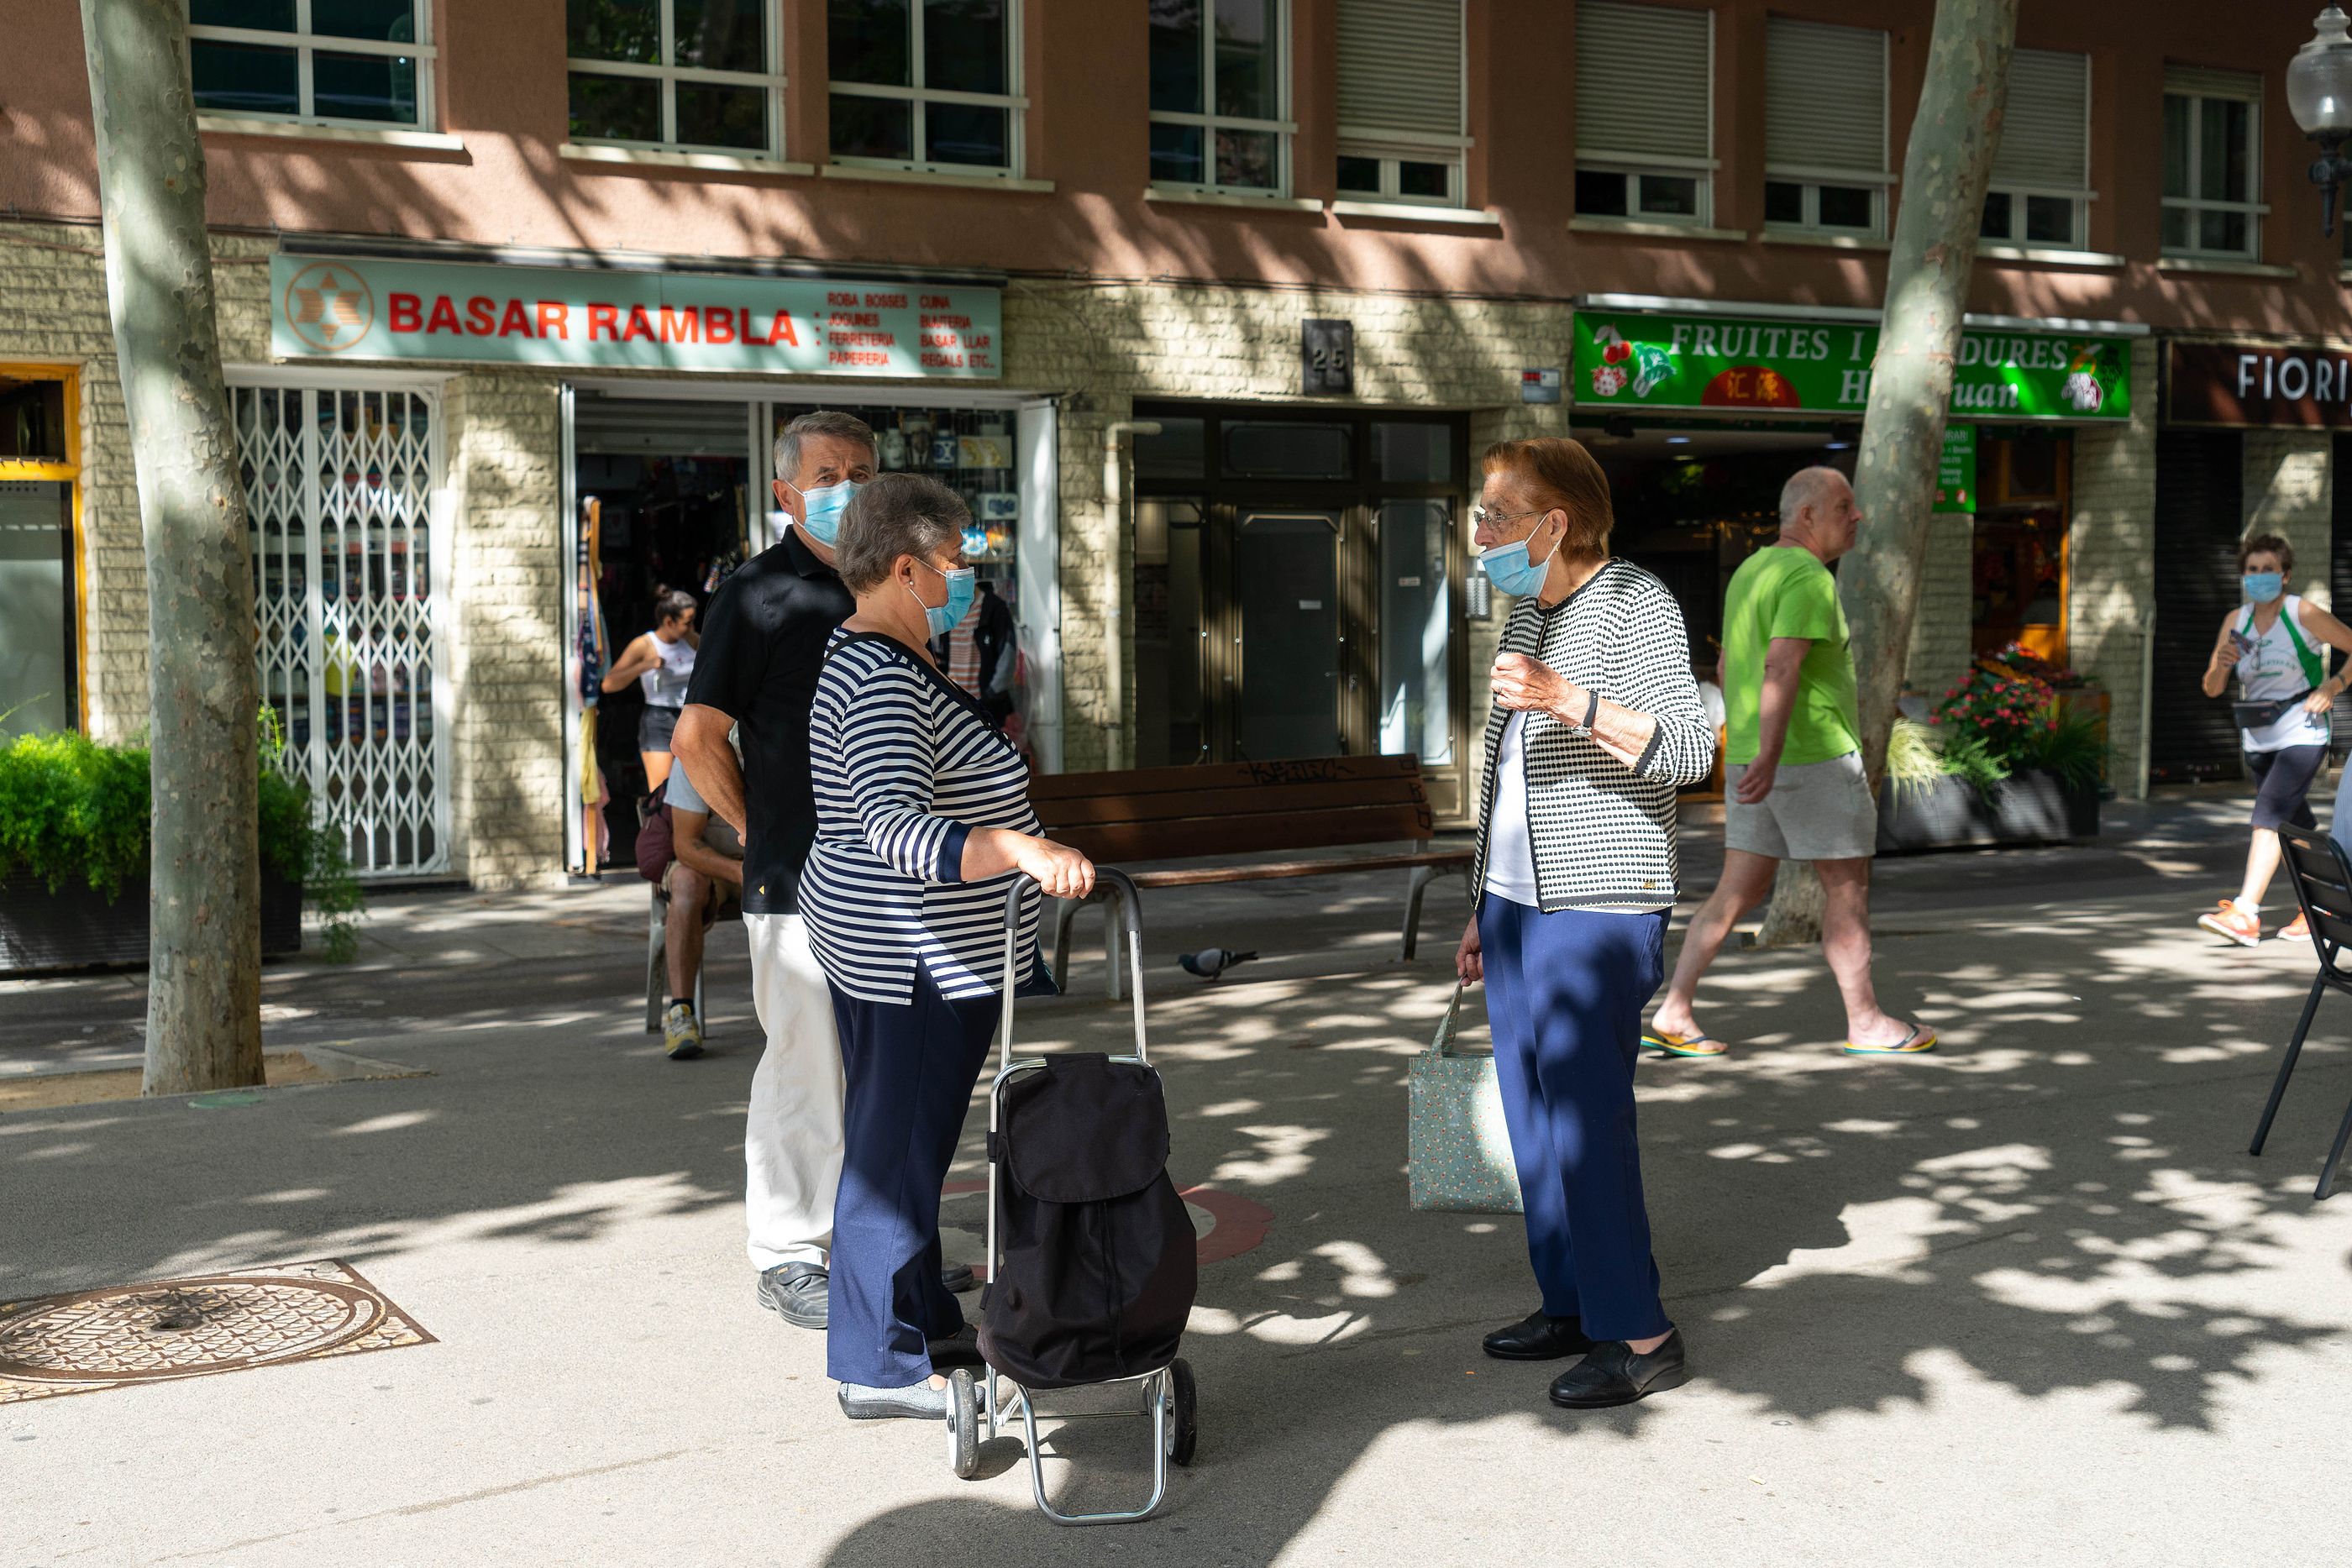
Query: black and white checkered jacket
{"points": [[1604, 833]]}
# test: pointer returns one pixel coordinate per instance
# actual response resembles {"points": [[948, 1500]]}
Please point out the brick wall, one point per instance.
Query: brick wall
{"points": [[2111, 545], [505, 629], [1940, 643], [2288, 491]]}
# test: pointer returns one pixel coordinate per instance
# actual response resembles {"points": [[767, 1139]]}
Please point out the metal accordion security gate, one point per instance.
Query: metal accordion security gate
{"points": [[339, 487]]}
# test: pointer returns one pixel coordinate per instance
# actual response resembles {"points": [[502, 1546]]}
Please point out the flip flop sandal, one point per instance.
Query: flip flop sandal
{"points": [[1682, 1045], [1921, 1037]]}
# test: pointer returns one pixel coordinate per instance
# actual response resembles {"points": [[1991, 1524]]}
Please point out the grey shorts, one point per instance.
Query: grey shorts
{"points": [[1816, 812]]}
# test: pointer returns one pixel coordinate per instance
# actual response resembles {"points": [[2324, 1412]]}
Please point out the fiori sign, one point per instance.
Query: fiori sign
{"points": [[1638, 360], [365, 309], [2305, 386]]}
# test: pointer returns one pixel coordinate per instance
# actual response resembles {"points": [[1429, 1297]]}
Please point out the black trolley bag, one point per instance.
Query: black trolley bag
{"points": [[1092, 1259]]}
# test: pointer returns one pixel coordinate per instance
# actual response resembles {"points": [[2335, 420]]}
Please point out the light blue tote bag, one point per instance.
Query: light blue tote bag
{"points": [[1457, 1149]]}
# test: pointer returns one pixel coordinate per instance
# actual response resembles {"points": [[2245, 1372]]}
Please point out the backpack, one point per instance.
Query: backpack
{"points": [[1099, 1263]]}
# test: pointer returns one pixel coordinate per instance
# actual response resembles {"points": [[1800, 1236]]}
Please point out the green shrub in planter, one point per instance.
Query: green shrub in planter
{"points": [[74, 810]]}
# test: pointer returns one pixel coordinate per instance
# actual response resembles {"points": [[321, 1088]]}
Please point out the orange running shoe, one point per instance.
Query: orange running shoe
{"points": [[2228, 920], [2295, 930]]}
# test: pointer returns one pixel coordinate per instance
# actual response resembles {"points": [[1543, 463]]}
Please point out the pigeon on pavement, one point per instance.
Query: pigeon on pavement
{"points": [[1211, 962]]}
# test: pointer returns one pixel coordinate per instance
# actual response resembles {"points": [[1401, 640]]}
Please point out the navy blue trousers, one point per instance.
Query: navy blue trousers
{"points": [[1565, 993], [909, 1070]]}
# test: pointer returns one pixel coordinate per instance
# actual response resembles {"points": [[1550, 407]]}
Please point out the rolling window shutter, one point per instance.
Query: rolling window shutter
{"points": [[1643, 80], [1400, 66], [2044, 130], [1824, 97], [2203, 81]]}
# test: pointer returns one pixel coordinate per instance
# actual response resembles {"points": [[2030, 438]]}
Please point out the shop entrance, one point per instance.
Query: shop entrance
{"points": [[1294, 587], [678, 487], [667, 484]]}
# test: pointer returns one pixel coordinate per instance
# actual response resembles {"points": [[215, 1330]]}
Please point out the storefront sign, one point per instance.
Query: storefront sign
{"points": [[1956, 470], [1327, 357], [639, 320], [2295, 388], [1641, 360]]}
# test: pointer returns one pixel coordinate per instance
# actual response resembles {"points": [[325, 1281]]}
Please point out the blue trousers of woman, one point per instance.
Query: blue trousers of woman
{"points": [[1565, 993], [908, 1069]]}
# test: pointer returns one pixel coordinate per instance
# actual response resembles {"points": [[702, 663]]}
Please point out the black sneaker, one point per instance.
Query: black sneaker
{"points": [[795, 1293]]}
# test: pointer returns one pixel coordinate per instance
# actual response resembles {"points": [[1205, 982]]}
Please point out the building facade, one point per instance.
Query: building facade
{"points": [[1207, 309]]}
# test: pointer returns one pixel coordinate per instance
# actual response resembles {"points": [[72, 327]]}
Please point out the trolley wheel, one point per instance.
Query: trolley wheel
{"points": [[1183, 1425], [964, 1424]]}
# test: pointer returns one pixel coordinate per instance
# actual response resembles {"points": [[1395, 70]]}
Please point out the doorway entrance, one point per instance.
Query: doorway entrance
{"points": [[1294, 584]]}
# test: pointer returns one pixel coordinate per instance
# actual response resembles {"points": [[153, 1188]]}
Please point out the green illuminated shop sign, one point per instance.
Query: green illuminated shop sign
{"points": [[1639, 359], [363, 310]]}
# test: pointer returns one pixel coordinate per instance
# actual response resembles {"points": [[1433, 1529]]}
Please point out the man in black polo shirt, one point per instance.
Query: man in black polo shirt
{"points": [[764, 640]]}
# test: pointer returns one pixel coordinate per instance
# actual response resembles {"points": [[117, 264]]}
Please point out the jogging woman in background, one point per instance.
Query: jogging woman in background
{"points": [[2276, 643], [663, 659]]}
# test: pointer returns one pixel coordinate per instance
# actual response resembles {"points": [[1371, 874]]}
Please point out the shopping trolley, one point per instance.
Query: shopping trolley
{"points": [[1138, 1265]]}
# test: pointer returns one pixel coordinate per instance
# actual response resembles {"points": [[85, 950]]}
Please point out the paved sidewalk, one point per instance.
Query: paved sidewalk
{"points": [[2023, 1301]]}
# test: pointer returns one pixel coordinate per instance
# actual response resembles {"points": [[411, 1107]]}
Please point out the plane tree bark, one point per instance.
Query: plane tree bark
{"points": [[204, 994], [1946, 167]]}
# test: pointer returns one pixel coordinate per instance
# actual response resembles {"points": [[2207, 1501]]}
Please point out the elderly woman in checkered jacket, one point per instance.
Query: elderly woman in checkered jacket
{"points": [[1596, 721]]}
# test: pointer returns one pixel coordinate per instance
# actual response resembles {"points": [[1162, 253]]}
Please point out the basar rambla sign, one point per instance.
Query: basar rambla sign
{"points": [[364, 309], [1638, 360]]}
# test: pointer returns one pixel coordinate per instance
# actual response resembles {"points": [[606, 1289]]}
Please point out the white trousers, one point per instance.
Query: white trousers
{"points": [[791, 1143]]}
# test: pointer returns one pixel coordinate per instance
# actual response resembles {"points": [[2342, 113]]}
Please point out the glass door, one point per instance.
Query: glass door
{"points": [[1286, 578]]}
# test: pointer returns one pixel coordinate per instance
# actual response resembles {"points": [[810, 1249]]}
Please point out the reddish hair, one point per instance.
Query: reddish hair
{"points": [[1560, 473]]}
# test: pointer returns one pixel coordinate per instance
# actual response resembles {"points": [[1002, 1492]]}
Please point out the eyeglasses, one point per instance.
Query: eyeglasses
{"points": [[1480, 517]]}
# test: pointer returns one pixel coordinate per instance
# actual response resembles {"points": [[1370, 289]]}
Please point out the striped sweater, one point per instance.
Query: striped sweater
{"points": [[906, 766], [1604, 833]]}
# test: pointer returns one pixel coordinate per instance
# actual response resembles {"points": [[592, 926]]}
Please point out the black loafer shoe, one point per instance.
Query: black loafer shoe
{"points": [[1537, 1337], [795, 1293], [961, 1348], [959, 1278], [1613, 1375]]}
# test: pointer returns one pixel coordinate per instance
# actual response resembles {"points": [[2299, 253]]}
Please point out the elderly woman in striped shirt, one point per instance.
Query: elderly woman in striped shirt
{"points": [[1596, 722], [923, 817]]}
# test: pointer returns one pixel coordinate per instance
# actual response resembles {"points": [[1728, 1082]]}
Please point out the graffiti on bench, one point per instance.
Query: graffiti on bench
{"points": [[1303, 771]]}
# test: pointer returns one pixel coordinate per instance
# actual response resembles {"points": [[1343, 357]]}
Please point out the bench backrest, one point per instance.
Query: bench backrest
{"points": [[1241, 807]]}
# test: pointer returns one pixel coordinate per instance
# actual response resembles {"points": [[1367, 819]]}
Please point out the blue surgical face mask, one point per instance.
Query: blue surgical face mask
{"points": [[2262, 587], [1508, 568], [942, 619], [820, 509]]}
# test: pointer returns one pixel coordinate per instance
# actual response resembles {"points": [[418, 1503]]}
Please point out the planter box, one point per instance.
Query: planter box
{"points": [[2032, 808], [76, 927]]}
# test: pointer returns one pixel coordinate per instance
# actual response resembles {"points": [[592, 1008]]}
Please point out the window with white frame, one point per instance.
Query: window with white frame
{"points": [[926, 84], [2039, 193], [1403, 116], [699, 75], [1644, 95], [323, 62], [2212, 130], [1825, 127], [1220, 96]]}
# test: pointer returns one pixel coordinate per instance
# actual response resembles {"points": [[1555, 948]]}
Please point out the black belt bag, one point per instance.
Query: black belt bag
{"points": [[2255, 716]]}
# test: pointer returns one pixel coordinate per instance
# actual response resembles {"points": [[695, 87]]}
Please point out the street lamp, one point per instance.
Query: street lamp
{"points": [[2319, 93]]}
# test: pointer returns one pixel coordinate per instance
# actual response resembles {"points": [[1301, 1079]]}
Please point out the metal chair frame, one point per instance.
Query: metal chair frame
{"points": [[2322, 877]]}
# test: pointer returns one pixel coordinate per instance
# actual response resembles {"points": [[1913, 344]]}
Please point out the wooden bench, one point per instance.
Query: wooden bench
{"points": [[1246, 808]]}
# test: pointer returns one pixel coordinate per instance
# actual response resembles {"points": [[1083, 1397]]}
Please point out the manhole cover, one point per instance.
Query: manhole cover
{"points": [[193, 1327]]}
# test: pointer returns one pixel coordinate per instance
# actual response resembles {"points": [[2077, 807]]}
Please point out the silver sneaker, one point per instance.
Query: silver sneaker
{"points": [[920, 1403]]}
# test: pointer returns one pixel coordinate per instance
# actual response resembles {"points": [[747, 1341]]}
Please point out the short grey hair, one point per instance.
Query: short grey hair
{"points": [[1805, 489], [897, 514], [824, 421]]}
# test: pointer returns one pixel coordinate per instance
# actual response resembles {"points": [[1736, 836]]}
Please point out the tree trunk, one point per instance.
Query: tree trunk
{"points": [[204, 994], [1945, 169]]}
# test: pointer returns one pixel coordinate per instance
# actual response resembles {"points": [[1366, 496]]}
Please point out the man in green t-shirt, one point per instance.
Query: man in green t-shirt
{"points": [[1795, 786]]}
